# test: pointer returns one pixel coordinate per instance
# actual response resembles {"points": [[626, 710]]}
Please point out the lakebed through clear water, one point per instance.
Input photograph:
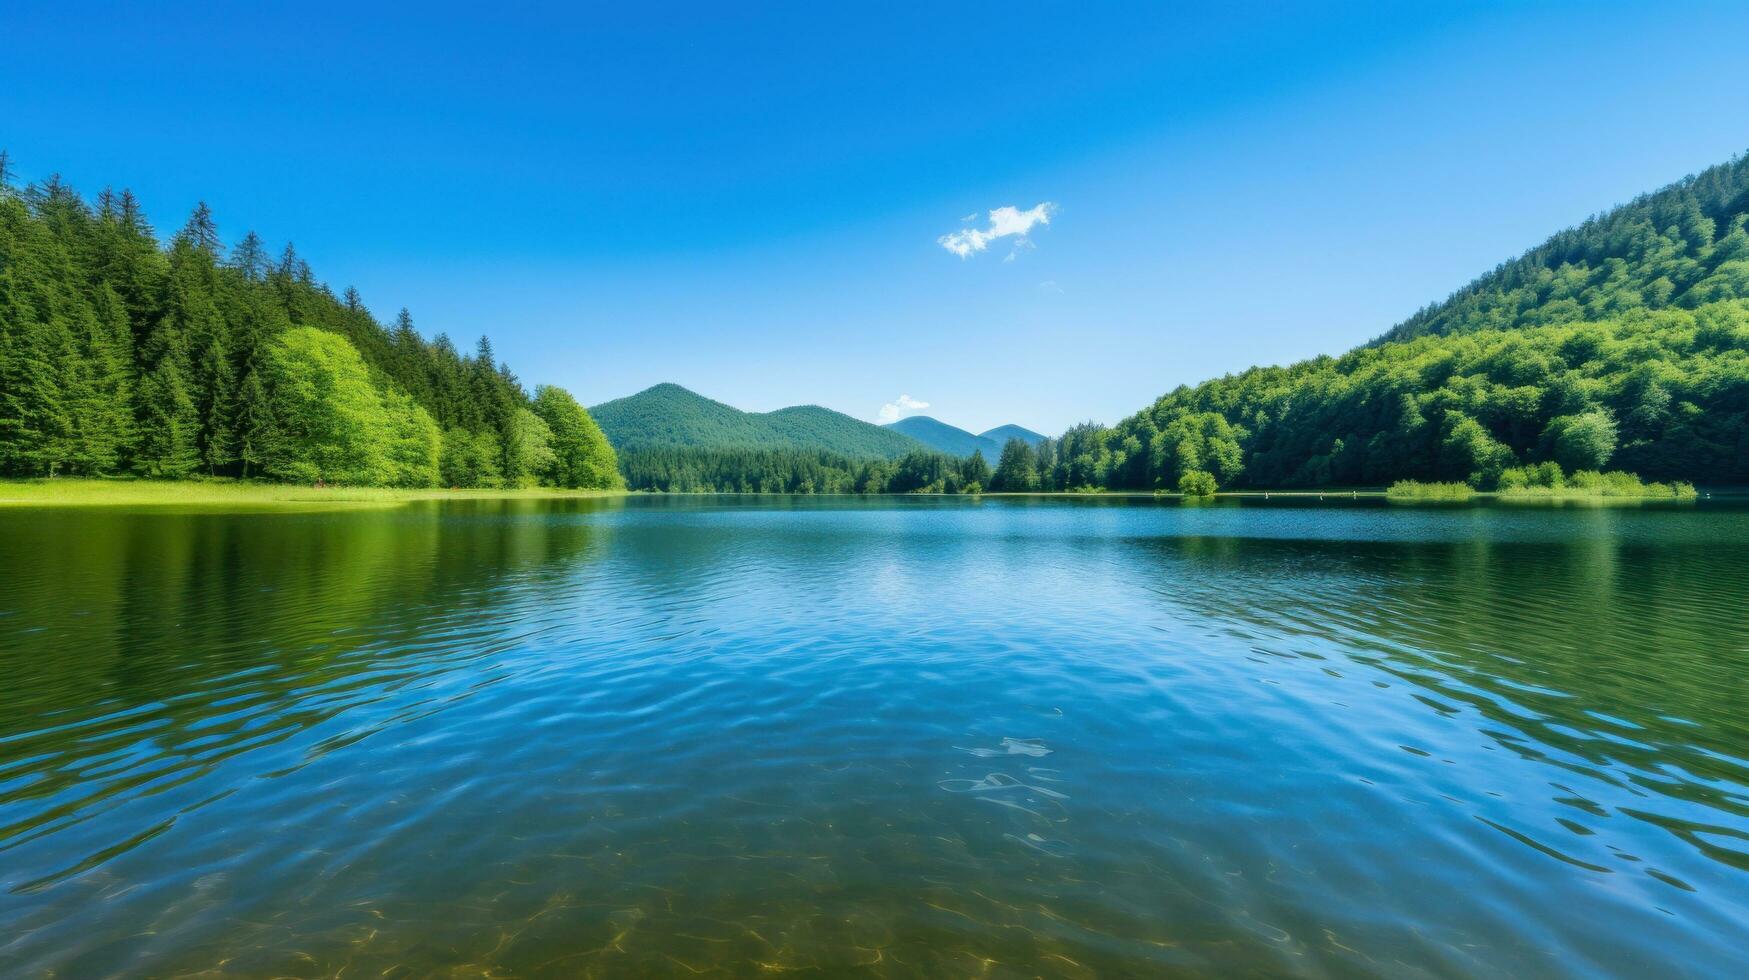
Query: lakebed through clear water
{"points": [[894, 736]]}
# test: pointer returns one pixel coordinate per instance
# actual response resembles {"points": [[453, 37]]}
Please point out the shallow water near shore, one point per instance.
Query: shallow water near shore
{"points": [[890, 736]]}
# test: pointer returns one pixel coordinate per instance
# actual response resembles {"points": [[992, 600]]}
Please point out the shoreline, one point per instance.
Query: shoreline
{"points": [[71, 492], [64, 492]]}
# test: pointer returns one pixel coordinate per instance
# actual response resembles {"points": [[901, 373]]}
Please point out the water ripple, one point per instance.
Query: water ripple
{"points": [[890, 737]]}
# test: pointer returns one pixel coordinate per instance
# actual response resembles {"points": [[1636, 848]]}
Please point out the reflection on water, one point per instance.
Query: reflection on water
{"points": [[902, 737]]}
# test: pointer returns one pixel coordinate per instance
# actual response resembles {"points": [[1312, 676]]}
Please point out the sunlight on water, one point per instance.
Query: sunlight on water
{"points": [[938, 737]]}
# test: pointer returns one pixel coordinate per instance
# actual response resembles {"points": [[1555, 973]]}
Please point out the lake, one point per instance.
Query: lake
{"points": [[897, 736]]}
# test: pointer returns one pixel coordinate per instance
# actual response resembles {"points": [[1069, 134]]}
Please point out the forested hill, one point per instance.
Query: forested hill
{"points": [[121, 354], [941, 437], [1620, 344], [668, 416], [1680, 247], [1002, 433]]}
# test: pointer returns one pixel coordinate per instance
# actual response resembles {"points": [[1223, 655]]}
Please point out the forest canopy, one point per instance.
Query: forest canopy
{"points": [[1623, 343], [1618, 346], [119, 354]]}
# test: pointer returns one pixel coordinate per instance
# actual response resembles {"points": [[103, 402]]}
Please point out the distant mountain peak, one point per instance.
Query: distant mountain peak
{"points": [[951, 439], [669, 415], [1003, 433]]}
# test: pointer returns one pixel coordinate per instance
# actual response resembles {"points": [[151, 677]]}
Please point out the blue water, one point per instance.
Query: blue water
{"points": [[875, 736]]}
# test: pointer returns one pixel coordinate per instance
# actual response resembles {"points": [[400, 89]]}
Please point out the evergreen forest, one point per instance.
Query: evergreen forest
{"points": [[124, 354]]}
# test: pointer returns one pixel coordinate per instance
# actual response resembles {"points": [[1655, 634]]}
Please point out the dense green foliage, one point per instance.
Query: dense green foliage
{"points": [[118, 355], [1623, 342], [1620, 345], [944, 438], [1664, 394], [1683, 246], [1197, 483], [1547, 480], [332, 425], [1410, 490], [693, 469], [669, 416], [581, 454]]}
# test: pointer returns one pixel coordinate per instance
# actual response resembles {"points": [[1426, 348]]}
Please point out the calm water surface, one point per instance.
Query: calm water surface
{"points": [[892, 737]]}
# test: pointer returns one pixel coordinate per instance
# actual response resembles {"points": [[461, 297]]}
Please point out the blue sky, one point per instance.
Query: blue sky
{"points": [[752, 202]]}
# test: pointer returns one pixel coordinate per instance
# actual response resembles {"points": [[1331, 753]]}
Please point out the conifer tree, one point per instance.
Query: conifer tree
{"points": [[215, 405], [250, 257], [105, 408], [254, 422], [201, 231], [168, 419], [1016, 470]]}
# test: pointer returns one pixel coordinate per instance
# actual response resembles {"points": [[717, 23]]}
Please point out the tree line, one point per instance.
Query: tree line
{"points": [[1621, 342], [695, 469], [122, 355], [1682, 246], [1664, 394]]}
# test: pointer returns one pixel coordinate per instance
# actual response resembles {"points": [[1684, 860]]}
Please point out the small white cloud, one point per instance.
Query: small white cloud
{"points": [[1004, 221], [1050, 286], [906, 405]]}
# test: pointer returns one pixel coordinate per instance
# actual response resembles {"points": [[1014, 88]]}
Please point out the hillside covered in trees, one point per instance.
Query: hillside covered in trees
{"points": [[944, 438], [1681, 247], [1620, 344], [1664, 394], [667, 416], [1623, 343], [119, 354]]}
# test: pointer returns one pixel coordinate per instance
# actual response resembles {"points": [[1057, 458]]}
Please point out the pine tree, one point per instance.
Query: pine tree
{"points": [[105, 409], [35, 425], [292, 268], [201, 231], [125, 257], [38, 431], [198, 335], [1016, 470], [254, 421], [250, 257], [169, 421], [215, 405]]}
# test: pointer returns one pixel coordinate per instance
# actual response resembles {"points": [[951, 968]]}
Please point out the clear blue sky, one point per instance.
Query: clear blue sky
{"points": [[751, 203]]}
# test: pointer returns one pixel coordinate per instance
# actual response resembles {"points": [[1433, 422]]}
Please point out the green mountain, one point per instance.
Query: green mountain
{"points": [[668, 416], [1621, 344], [1003, 433], [950, 439], [955, 441], [1680, 247]]}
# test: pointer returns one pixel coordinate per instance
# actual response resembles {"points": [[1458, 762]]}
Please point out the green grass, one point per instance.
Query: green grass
{"points": [[1414, 490], [1592, 485], [243, 494]]}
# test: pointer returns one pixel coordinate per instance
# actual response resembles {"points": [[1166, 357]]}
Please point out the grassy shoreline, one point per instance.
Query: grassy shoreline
{"points": [[251, 495], [63, 492]]}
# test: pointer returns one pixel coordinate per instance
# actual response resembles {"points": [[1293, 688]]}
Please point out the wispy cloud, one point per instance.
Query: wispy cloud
{"points": [[1004, 221], [894, 410]]}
